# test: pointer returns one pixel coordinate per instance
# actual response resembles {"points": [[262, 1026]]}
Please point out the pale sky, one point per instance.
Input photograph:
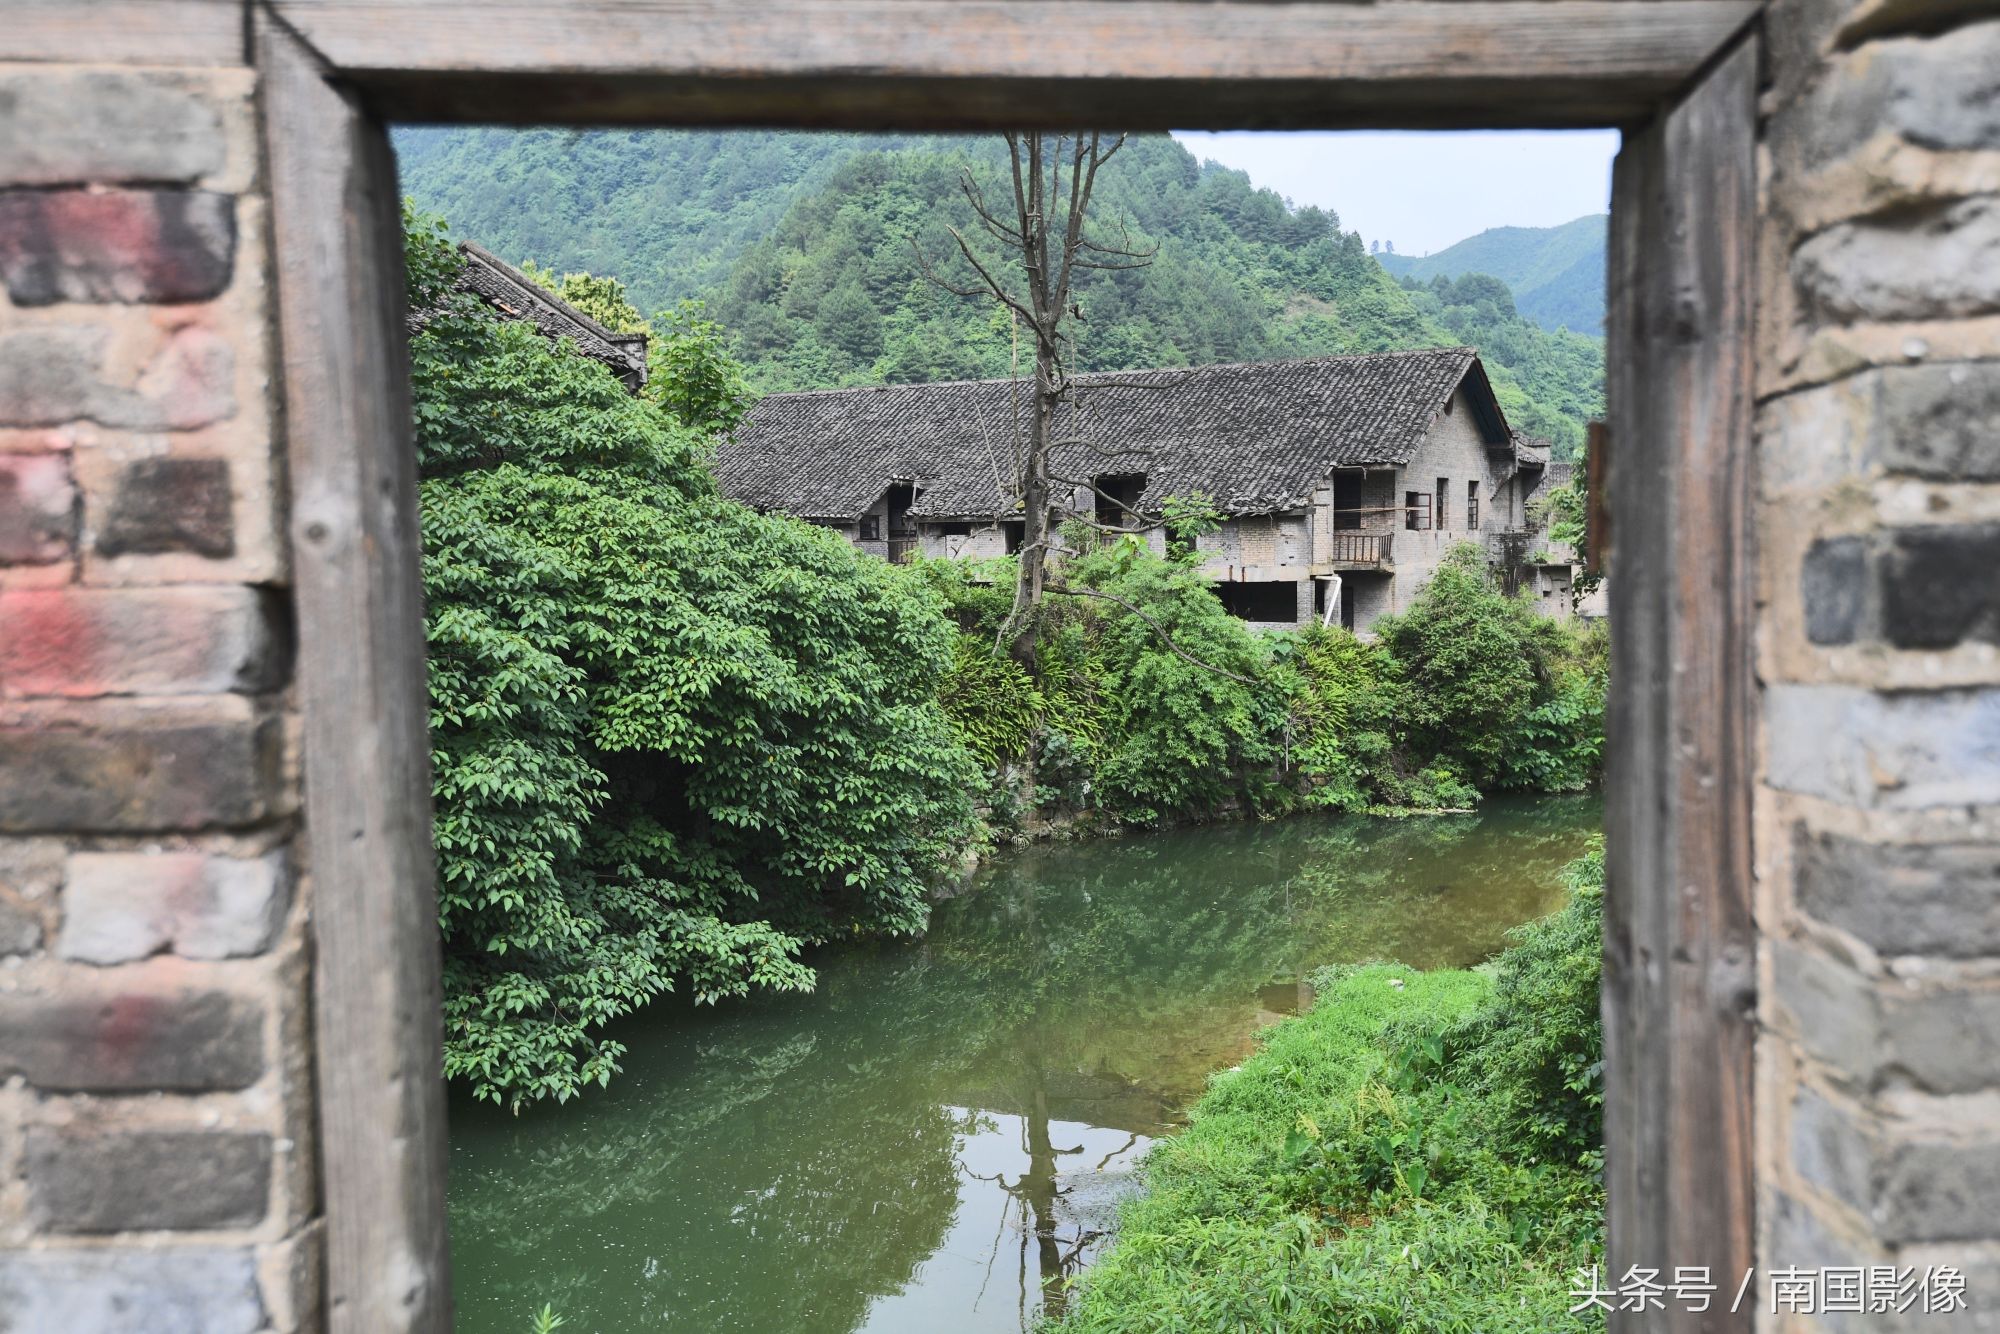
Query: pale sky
{"points": [[1426, 190]]}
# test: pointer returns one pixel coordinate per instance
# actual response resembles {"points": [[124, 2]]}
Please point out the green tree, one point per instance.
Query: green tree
{"points": [[674, 741]]}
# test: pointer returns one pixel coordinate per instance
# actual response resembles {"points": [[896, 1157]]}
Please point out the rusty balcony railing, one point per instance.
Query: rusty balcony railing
{"points": [[1352, 548]]}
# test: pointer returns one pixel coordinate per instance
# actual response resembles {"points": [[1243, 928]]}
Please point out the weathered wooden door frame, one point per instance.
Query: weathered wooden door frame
{"points": [[1678, 76]]}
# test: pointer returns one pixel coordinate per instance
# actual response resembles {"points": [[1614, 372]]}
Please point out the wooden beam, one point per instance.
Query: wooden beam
{"points": [[154, 32], [1680, 944], [366, 746], [984, 64]]}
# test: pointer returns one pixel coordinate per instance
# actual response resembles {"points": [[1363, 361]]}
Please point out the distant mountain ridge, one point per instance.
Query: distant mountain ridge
{"points": [[1556, 273]]}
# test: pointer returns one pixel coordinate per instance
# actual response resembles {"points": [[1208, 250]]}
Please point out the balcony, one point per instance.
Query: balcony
{"points": [[902, 546], [1359, 551]]}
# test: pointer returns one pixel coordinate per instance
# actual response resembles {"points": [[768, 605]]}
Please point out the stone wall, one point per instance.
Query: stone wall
{"points": [[156, 1157], [1878, 519]]}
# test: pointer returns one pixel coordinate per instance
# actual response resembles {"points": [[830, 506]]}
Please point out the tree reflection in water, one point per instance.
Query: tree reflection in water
{"points": [[877, 1155]]}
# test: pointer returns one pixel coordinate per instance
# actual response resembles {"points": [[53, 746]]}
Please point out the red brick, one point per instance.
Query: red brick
{"points": [[115, 245], [81, 642]]}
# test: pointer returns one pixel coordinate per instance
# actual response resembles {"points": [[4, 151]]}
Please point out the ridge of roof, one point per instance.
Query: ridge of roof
{"points": [[1090, 379]]}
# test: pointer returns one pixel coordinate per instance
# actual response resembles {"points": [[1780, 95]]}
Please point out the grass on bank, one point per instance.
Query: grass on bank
{"points": [[1420, 1151]]}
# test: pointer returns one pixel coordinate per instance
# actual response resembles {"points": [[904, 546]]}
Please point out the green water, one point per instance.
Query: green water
{"points": [[940, 1133]]}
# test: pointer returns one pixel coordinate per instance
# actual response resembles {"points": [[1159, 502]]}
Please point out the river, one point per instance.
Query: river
{"points": [[942, 1131]]}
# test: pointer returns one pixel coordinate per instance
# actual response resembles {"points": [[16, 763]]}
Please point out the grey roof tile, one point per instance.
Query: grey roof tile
{"points": [[1255, 436]]}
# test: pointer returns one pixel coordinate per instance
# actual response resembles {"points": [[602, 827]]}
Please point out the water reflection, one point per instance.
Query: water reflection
{"points": [[940, 1134]]}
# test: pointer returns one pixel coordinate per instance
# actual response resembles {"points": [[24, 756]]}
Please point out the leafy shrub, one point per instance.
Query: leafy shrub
{"points": [[1181, 732], [1460, 649], [1345, 696], [991, 700], [1502, 696], [1540, 1043], [674, 741]]}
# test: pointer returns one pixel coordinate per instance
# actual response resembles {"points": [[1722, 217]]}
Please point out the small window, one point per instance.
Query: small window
{"points": [[1416, 511], [1444, 502], [1472, 505], [871, 528], [1118, 499]]}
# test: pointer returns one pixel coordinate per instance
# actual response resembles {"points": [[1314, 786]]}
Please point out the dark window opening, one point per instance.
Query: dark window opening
{"points": [[1118, 499], [1015, 533], [1347, 500], [1444, 502], [1416, 511], [954, 530], [1261, 600], [901, 496], [1472, 505], [902, 532], [871, 528]]}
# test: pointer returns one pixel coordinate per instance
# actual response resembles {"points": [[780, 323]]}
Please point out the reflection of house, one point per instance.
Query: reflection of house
{"points": [[516, 296], [1343, 478]]}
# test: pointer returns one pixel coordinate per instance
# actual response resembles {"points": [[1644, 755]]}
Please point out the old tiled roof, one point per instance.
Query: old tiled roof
{"points": [[517, 296], [1255, 437]]}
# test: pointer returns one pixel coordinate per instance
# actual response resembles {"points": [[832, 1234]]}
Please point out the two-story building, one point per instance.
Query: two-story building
{"points": [[1342, 481]]}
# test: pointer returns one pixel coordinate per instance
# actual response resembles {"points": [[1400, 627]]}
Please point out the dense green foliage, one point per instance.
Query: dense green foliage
{"points": [[804, 246], [1421, 1151], [1539, 1047], [1149, 704], [674, 741], [1508, 697], [1557, 273]]}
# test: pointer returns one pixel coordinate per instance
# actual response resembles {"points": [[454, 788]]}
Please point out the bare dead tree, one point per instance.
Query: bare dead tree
{"points": [[1043, 244]]}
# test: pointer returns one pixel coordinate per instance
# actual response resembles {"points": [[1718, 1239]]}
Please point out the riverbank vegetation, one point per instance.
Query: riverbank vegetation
{"points": [[1146, 703], [1420, 1151]]}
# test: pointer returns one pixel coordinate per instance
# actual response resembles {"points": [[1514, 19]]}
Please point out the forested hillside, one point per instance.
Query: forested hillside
{"points": [[1556, 273], [806, 248]]}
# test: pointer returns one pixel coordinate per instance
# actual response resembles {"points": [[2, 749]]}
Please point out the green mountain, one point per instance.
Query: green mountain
{"points": [[806, 247], [1556, 273], [666, 212]]}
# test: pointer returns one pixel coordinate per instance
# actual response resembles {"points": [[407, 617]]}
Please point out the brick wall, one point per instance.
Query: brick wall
{"points": [[1878, 822], [156, 1162]]}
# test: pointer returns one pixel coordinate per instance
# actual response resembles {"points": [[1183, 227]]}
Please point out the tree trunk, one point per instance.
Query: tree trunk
{"points": [[1020, 631]]}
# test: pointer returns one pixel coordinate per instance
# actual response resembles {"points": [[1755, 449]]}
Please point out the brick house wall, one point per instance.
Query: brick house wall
{"points": [[156, 1117], [1455, 450], [1877, 835]]}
